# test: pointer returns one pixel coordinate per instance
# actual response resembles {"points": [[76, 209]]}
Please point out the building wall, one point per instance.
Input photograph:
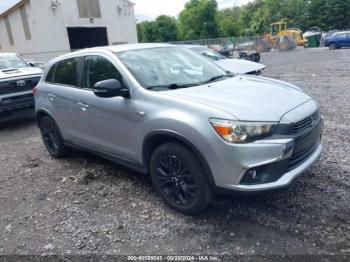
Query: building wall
{"points": [[48, 27]]}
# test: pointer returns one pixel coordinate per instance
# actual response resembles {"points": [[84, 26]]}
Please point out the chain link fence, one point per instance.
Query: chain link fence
{"points": [[247, 44]]}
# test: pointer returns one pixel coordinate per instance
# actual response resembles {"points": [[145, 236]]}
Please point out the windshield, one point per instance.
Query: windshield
{"points": [[208, 53], [169, 67], [11, 61]]}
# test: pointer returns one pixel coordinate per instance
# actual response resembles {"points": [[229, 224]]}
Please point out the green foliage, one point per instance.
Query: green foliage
{"points": [[201, 19], [163, 29], [329, 15], [229, 24], [198, 20]]}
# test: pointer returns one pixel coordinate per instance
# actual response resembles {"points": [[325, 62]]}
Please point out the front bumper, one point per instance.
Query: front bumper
{"points": [[16, 106], [285, 180], [273, 162]]}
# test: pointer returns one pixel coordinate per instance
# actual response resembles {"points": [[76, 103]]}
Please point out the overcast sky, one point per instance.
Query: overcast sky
{"points": [[5, 3], [149, 9]]}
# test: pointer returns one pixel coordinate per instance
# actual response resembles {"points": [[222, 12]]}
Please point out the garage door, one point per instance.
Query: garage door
{"points": [[84, 37]]}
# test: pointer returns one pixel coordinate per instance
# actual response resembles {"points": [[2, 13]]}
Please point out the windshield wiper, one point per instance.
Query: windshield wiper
{"points": [[173, 86], [214, 78]]}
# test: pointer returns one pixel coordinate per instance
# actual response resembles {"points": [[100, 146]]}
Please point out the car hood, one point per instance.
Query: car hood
{"points": [[21, 72], [247, 98], [239, 66]]}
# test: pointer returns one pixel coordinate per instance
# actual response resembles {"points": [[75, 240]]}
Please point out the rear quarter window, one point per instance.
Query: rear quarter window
{"points": [[66, 72], [49, 76]]}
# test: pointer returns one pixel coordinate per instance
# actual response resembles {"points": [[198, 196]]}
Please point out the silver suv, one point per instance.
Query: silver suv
{"points": [[171, 113]]}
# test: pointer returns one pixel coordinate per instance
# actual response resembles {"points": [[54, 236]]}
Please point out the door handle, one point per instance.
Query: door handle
{"points": [[140, 113], [51, 96], [82, 104]]}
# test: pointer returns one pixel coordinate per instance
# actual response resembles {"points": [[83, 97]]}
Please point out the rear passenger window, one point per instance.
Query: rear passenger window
{"points": [[341, 36], [97, 68], [66, 72]]}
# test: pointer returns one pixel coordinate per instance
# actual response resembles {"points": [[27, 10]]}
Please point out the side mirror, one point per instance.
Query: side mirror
{"points": [[110, 88], [31, 64]]}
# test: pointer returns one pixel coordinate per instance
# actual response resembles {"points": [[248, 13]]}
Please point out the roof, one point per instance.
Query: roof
{"points": [[128, 47], [111, 48], [7, 54], [7, 6], [121, 48], [341, 32], [193, 46]]}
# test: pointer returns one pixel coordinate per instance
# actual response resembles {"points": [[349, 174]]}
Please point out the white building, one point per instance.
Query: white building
{"points": [[44, 29]]}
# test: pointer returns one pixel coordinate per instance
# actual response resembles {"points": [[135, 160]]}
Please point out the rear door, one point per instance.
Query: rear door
{"points": [[63, 92], [341, 40], [107, 124]]}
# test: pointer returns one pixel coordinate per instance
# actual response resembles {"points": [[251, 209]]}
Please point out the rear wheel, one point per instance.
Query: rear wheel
{"points": [[179, 178], [52, 137], [333, 46]]}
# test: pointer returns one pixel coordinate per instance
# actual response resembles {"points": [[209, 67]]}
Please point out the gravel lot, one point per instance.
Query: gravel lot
{"points": [[86, 205]]}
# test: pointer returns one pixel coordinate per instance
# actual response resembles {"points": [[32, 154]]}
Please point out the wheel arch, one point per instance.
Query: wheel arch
{"points": [[40, 113], [333, 43], [157, 138]]}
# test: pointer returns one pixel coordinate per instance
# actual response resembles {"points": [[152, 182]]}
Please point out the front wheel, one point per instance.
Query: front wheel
{"points": [[179, 178], [333, 46]]}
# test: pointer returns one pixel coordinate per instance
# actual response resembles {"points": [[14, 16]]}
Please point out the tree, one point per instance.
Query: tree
{"points": [[329, 15], [163, 29], [198, 20], [147, 31], [201, 19], [139, 32], [228, 22]]}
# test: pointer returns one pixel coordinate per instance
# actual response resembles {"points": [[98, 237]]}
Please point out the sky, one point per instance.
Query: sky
{"points": [[6, 3], [150, 9]]}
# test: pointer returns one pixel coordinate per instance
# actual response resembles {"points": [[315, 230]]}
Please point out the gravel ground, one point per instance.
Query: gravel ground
{"points": [[86, 205]]}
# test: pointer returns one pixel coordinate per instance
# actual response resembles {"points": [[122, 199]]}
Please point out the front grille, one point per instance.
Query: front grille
{"points": [[12, 86], [306, 124], [298, 158]]}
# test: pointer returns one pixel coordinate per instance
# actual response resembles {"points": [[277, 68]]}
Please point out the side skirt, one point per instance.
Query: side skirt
{"points": [[113, 158]]}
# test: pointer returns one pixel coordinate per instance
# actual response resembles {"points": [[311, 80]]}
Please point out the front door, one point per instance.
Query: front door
{"points": [[109, 125]]}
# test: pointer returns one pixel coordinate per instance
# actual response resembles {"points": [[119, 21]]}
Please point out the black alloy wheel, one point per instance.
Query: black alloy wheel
{"points": [[52, 137], [179, 178], [176, 180]]}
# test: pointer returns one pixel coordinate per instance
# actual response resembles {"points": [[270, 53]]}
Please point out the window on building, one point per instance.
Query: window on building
{"points": [[25, 23], [66, 72], [89, 8], [8, 29], [97, 68]]}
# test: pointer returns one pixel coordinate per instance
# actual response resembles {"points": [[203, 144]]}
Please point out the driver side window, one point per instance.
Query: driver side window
{"points": [[96, 69]]}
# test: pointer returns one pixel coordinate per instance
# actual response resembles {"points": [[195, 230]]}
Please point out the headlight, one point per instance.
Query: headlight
{"points": [[242, 132]]}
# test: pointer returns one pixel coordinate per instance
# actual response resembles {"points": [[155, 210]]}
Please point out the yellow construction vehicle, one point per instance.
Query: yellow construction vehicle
{"points": [[281, 38]]}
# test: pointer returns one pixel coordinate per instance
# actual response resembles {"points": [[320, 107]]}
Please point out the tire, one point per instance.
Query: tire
{"points": [[179, 178], [333, 46], [52, 137]]}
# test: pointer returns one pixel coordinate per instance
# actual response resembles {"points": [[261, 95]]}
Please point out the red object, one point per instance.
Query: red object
{"points": [[35, 88]]}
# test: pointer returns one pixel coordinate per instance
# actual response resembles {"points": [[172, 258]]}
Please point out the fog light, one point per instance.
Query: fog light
{"points": [[250, 177], [252, 174]]}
